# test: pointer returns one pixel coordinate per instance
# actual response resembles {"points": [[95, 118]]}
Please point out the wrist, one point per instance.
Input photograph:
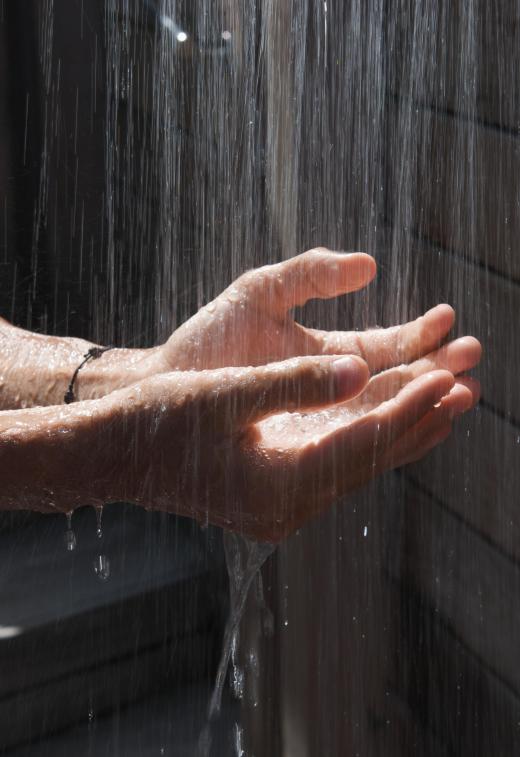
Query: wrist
{"points": [[55, 459], [115, 368]]}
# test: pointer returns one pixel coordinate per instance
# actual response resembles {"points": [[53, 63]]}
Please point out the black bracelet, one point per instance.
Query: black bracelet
{"points": [[92, 354]]}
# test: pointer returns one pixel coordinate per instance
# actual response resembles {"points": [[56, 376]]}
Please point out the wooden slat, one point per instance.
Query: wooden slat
{"points": [[467, 581], [487, 306], [400, 734], [451, 693], [91, 639], [456, 184], [101, 689], [458, 56], [476, 474]]}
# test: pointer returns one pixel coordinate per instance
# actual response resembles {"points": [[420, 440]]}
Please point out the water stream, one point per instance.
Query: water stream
{"points": [[244, 559], [157, 149]]}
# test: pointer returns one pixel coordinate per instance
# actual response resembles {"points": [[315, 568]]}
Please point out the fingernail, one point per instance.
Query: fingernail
{"points": [[350, 375]]}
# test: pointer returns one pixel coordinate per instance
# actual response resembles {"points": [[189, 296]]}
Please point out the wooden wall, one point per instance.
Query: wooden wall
{"points": [[453, 207], [406, 643]]}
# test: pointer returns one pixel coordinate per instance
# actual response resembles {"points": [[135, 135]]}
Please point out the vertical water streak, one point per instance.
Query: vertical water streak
{"points": [[244, 560]]}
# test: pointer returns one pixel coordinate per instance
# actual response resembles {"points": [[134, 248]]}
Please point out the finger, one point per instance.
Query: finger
{"points": [[399, 458], [250, 394], [318, 273], [472, 384], [458, 401], [384, 348], [371, 436], [457, 356], [430, 430], [351, 456]]}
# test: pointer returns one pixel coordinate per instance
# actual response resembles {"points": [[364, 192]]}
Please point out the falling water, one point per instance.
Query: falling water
{"points": [[70, 536], [101, 561], [244, 560], [159, 149]]}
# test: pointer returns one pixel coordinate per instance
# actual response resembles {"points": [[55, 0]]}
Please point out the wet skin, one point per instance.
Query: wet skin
{"points": [[204, 429]]}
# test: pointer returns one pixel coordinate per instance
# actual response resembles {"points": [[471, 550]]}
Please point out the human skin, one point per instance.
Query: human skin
{"points": [[247, 324], [208, 443]]}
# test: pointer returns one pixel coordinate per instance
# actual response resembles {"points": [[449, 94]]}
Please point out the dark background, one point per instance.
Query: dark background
{"points": [[391, 127]]}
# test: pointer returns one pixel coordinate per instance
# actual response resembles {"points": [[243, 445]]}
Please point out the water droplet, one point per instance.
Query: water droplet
{"points": [[99, 518], [102, 567], [239, 748], [365, 531], [70, 536], [237, 681], [70, 540]]}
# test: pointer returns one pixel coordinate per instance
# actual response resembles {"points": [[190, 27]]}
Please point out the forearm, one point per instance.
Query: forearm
{"points": [[35, 369], [55, 459]]}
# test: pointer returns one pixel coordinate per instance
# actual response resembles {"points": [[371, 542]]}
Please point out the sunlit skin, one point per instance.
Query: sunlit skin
{"points": [[250, 323], [269, 484], [196, 428]]}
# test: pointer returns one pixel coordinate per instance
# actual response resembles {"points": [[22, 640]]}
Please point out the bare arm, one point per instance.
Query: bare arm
{"points": [[136, 444], [54, 458], [35, 369]]}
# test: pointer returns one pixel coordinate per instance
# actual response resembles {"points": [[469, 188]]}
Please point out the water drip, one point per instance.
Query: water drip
{"points": [[99, 518], [70, 536], [244, 558], [102, 567]]}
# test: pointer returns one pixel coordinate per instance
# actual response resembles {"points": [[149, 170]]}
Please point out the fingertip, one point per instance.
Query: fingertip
{"points": [[473, 346], [462, 398], [440, 319], [443, 309], [362, 268], [442, 379], [351, 376], [472, 385]]}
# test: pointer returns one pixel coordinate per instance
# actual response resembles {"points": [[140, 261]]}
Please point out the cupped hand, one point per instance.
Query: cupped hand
{"points": [[250, 322], [217, 445], [292, 431]]}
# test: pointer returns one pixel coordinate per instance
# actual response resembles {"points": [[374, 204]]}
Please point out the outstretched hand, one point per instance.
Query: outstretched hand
{"points": [[261, 450], [250, 322], [254, 464], [210, 427]]}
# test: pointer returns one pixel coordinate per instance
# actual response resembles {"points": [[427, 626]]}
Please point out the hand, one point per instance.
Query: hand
{"points": [[203, 444], [249, 323], [207, 449], [292, 431]]}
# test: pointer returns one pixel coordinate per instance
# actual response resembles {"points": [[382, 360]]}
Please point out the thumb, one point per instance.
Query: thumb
{"points": [[298, 383]]}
